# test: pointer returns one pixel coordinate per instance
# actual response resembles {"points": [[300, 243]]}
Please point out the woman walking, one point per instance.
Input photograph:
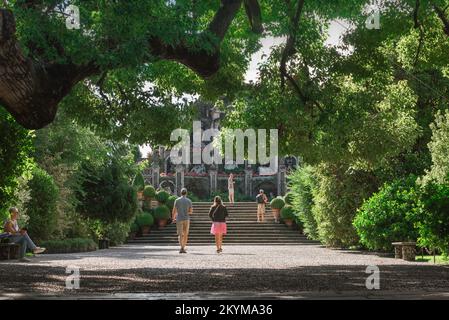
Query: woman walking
{"points": [[218, 214]]}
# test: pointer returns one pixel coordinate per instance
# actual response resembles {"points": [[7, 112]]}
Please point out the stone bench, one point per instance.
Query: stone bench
{"points": [[405, 250], [9, 251]]}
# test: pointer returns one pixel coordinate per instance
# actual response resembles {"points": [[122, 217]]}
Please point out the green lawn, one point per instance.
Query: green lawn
{"points": [[439, 259]]}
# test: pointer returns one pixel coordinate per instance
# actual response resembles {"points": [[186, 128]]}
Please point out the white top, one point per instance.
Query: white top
{"points": [[14, 224], [230, 183]]}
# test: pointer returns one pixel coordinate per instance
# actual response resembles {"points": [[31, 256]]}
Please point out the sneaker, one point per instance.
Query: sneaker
{"points": [[25, 260], [38, 250], [182, 251]]}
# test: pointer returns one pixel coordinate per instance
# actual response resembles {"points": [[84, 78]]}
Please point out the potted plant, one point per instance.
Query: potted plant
{"points": [[145, 220], [139, 184], [149, 193], [162, 197], [288, 215], [162, 214], [171, 202], [276, 205]]}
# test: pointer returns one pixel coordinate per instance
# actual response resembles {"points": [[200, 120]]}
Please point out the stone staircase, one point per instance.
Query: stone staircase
{"points": [[242, 228]]}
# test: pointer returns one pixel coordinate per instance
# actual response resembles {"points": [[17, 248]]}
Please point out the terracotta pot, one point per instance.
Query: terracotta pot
{"points": [[146, 229], [288, 222], [162, 223], [276, 214]]}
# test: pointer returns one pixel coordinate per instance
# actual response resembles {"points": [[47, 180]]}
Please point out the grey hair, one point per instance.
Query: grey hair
{"points": [[13, 209]]}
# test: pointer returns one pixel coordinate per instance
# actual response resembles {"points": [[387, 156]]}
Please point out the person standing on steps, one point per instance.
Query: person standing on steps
{"points": [[261, 200], [218, 214], [182, 209], [231, 188]]}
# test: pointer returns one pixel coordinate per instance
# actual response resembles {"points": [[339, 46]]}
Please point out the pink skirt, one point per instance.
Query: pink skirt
{"points": [[218, 228]]}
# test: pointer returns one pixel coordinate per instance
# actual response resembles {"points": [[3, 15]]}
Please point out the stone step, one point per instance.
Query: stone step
{"points": [[229, 235], [227, 242]]}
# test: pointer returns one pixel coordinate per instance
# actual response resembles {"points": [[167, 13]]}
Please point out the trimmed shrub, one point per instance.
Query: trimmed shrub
{"points": [[162, 212], [162, 196], [139, 182], [145, 219], [171, 202], [288, 198], [149, 192], [41, 207], [69, 245], [287, 212], [277, 203], [389, 215], [302, 185]]}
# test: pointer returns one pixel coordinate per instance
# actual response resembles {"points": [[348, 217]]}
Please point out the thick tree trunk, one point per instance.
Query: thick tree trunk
{"points": [[31, 90]]}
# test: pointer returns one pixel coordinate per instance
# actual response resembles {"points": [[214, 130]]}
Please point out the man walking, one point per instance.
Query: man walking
{"points": [[182, 209], [261, 200]]}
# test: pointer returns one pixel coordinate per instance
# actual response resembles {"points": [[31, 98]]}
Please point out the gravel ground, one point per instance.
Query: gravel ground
{"points": [[261, 269]]}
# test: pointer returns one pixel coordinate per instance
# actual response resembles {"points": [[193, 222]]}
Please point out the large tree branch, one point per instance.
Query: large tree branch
{"points": [[254, 14], [289, 48], [442, 15], [289, 51], [31, 89], [204, 62]]}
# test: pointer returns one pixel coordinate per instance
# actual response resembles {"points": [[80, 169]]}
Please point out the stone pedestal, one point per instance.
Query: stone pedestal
{"points": [[408, 252], [213, 177], [155, 174], [179, 179], [405, 250], [248, 181], [281, 180]]}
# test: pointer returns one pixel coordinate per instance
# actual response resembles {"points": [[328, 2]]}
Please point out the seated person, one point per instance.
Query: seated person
{"points": [[20, 236]]}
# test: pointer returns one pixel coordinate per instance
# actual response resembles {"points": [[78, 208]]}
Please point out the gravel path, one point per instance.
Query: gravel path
{"points": [[145, 269]]}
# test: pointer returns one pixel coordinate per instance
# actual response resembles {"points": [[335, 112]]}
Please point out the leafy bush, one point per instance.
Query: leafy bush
{"points": [[287, 212], [288, 198], [277, 203], [117, 232], [145, 219], [171, 202], [16, 146], [139, 182], [389, 215], [69, 245], [104, 193], [149, 192], [433, 223], [162, 196], [134, 227], [339, 193], [439, 150], [41, 207], [302, 185], [162, 212]]}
